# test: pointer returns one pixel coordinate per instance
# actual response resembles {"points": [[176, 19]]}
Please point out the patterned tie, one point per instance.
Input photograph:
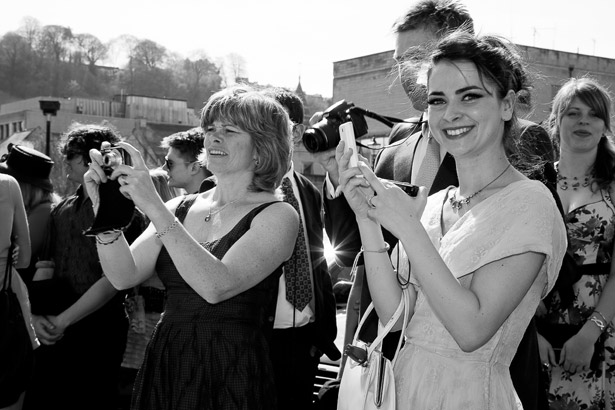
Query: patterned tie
{"points": [[297, 268], [430, 165]]}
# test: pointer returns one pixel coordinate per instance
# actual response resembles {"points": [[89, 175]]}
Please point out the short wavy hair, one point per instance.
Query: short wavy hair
{"points": [[440, 16], [265, 120], [189, 143], [81, 138]]}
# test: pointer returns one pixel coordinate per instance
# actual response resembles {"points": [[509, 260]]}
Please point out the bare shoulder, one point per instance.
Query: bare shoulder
{"points": [[280, 211]]}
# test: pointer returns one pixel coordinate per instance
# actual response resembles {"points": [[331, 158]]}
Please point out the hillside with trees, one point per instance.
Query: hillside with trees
{"points": [[52, 60]]}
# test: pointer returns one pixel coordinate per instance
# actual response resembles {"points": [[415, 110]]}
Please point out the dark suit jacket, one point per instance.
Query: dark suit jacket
{"points": [[325, 325], [396, 163]]}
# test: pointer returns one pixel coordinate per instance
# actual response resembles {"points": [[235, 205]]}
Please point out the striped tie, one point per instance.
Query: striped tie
{"points": [[430, 165]]}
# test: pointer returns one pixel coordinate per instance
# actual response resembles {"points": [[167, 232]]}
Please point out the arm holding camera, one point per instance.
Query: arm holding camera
{"points": [[227, 277]]}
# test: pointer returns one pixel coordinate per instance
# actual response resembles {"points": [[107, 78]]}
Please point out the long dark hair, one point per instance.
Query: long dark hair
{"points": [[497, 61]]}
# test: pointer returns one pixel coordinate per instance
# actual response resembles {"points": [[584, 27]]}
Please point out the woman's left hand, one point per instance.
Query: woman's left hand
{"points": [[577, 353], [390, 205], [135, 181]]}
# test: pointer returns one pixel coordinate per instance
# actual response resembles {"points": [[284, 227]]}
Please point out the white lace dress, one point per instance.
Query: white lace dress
{"points": [[432, 372]]}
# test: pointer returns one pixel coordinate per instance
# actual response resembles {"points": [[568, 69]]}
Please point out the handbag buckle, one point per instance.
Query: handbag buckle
{"points": [[357, 354]]}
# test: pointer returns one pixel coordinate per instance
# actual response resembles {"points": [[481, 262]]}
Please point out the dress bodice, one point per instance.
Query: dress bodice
{"points": [[520, 218], [185, 304]]}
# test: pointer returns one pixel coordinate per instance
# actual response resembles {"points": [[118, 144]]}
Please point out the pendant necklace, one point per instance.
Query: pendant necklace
{"points": [[210, 213], [575, 182], [458, 204]]}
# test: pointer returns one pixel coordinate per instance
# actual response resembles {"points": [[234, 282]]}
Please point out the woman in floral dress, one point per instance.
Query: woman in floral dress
{"points": [[576, 342]]}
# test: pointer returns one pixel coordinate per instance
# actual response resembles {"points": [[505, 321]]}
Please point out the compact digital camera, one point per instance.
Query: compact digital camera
{"points": [[113, 156]]}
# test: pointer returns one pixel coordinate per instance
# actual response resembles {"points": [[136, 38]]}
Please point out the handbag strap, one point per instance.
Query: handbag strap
{"points": [[8, 271], [402, 307]]}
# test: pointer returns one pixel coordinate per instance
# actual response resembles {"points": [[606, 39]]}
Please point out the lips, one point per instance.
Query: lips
{"points": [[582, 133], [212, 151], [457, 131]]}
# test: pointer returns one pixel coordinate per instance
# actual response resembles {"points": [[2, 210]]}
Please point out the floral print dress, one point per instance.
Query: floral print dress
{"points": [[590, 231]]}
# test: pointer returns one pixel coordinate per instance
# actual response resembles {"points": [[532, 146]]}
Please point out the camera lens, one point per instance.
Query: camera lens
{"points": [[322, 136], [111, 159], [315, 140]]}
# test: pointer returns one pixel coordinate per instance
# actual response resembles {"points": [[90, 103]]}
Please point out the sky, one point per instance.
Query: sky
{"points": [[284, 40]]}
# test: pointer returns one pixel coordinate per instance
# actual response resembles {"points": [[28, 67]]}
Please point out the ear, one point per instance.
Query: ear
{"points": [[298, 131], [195, 167], [507, 105]]}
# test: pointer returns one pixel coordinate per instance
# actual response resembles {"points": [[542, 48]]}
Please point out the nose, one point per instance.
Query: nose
{"points": [[215, 135], [452, 112], [584, 119]]}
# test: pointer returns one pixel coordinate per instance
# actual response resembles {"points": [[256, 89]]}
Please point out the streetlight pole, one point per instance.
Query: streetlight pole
{"points": [[49, 108]]}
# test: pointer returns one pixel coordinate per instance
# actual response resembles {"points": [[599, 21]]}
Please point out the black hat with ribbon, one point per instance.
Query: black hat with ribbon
{"points": [[27, 165]]}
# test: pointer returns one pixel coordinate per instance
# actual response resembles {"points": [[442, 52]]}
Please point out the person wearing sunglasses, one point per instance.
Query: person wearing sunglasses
{"points": [[184, 169]]}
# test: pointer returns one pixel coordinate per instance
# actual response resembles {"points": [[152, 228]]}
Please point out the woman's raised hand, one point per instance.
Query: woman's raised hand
{"points": [[135, 181], [390, 206], [95, 176], [351, 181]]}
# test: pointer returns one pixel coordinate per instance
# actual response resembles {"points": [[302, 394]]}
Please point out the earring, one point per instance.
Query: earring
{"points": [[257, 161]]}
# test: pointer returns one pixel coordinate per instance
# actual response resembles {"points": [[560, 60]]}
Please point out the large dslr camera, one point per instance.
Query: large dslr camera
{"points": [[325, 134]]}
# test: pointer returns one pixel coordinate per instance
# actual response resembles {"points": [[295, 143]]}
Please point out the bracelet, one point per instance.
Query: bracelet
{"points": [[601, 315], [381, 250], [598, 323], [110, 241], [168, 229]]}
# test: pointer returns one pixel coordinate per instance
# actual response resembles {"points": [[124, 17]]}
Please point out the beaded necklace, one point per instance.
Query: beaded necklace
{"points": [[458, 204]]}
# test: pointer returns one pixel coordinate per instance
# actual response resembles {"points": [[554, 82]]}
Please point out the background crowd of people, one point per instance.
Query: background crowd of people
{"points": [[217, 294]]}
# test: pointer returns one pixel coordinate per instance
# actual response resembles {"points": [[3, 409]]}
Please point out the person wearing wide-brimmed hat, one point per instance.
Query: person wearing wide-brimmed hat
{"points": [[32, 169]]}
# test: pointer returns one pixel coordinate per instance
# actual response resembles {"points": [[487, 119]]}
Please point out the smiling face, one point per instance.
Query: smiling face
{"points": [[580, 128], [465, 114], [229, 149]]}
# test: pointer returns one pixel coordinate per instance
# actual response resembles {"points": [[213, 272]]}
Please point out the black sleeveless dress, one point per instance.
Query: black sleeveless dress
{"points": [[206, 356]]}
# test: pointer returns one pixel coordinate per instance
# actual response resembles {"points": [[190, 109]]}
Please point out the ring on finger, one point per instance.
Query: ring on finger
{"points": [[369, 201]]}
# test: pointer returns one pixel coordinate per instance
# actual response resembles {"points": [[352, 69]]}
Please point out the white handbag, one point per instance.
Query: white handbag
{"points": [[367, 381]]}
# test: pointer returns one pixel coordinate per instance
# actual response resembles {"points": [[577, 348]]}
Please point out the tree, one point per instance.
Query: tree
{"points": [[56, 41], [92, 49], [30, 30], [235, 67], [148, 54], [14, 63]]}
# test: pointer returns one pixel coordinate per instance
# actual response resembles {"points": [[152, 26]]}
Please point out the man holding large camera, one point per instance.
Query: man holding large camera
{"points": [[413, 156]]}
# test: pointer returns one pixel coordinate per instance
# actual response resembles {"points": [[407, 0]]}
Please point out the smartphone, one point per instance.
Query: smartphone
{"points": [[347, 135], [409, 189]]}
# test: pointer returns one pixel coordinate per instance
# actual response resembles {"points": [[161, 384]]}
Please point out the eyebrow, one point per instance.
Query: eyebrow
{"points": [[460, 91]]}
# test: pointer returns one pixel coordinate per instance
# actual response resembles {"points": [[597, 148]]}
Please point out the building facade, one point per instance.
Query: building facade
{"points": [[371, 82], [142, 121]]}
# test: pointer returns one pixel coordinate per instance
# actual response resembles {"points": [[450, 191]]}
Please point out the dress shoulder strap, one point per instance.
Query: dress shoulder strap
{"points": [[184, 206]]}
